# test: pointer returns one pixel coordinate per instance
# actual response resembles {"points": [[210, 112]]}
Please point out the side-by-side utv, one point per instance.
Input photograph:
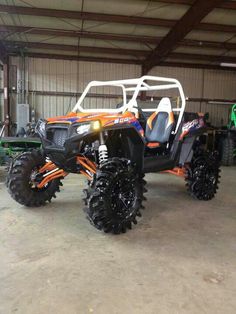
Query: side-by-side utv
{"points": [[114, 148]]}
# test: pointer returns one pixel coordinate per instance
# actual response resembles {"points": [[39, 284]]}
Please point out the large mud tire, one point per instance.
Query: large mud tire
{"points": [[202, 175], [18, 181], [114, 198], [227, 151]]}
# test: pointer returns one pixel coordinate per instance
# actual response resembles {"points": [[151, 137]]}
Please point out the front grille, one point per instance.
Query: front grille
{"points": [[57, 135]]}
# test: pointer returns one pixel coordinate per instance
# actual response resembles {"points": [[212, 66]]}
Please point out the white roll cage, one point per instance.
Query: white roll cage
{"points": [[135, 85]]}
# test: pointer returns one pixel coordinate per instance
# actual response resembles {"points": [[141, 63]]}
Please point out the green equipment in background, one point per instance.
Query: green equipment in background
{"points": [[227, 140], [10, 147]]}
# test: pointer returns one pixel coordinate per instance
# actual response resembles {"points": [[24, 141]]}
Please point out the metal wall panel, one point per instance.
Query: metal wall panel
{"points": [[208, 84], [63, 76], [219, 114], [71, 76], [220, 84], [191, 79]]}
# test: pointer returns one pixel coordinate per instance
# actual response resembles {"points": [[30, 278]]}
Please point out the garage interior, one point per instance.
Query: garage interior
{"points": [[181, 256]]}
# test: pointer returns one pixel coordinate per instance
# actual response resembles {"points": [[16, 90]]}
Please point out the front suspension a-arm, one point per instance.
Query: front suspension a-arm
{"points": [[51, 172]]}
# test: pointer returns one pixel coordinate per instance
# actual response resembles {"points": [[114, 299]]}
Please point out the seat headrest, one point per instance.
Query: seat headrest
{"points": [[164, 105]]}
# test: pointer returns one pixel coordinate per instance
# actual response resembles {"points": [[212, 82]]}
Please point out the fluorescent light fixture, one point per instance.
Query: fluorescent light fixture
{"points": [[229, 65]]}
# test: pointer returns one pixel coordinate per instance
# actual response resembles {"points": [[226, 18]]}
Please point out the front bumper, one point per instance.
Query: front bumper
{"points": [[62, 144]]}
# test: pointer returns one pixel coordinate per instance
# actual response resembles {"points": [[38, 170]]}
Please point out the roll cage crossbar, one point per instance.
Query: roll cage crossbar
{"points": [[134, 85]]}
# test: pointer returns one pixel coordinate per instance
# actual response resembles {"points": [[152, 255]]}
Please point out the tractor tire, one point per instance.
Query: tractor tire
{"points": [[114, 197], [227, 151], [202, 175], [19, 181]]}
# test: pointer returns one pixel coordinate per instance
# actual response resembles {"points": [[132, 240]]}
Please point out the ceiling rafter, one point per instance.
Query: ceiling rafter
{"points": [[90, 16], [202, 57], [186, 24], [174, 55], [224, 5], [10, 30], [12, 46], [78, 58], [207, 44], [76, 34], [195, 65], [17, 45], [125, 61], [111, 18]]}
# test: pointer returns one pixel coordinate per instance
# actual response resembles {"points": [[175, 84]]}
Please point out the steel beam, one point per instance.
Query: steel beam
{"points": [[224, 5], [79, 58], [15, 45], [110, 18], [187, 23], [127, 61], [192, 65], [202, 57], [8, 29]]}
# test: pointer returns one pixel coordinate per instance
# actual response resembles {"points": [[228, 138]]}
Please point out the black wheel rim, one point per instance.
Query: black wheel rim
{"points": [[123, 197]]}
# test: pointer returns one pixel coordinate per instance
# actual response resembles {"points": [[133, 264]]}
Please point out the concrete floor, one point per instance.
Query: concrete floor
{"points": [[180, 258]]}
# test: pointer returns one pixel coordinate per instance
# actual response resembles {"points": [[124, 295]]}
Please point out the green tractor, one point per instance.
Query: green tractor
{"points": [[227, 140], [11, 147]]}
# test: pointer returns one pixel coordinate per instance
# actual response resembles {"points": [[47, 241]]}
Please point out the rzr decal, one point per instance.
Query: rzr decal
{"points": [[191, 126]]}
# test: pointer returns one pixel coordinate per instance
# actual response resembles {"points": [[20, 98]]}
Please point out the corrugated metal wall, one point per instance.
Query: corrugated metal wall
{"points": [[204, 84], [70, 77]]}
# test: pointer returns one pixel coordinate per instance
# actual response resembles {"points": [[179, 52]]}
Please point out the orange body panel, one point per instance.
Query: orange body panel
{"points": [[89, 168], [104, 118], [153, 145]]}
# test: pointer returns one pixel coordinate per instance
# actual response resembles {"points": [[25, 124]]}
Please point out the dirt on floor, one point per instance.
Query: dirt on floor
{"points": [[180, 258]]}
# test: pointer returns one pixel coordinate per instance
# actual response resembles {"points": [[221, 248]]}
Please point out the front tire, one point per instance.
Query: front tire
{"points": [[202, 175], [114, 198], [19, 180]]}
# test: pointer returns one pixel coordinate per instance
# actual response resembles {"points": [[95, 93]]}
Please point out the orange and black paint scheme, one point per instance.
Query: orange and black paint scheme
{"points": [[71, 157], [114, 152], [106, 121]]}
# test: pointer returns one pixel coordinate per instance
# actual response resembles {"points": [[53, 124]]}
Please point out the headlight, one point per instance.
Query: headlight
{"points": [[86, 127], [96, 125], [83, 128], [41, 127]]}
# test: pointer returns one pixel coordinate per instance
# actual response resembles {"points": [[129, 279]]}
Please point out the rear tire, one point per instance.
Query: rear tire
{"points": [[114, 198], [202, 175], [19, 178], [227, 151]]}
